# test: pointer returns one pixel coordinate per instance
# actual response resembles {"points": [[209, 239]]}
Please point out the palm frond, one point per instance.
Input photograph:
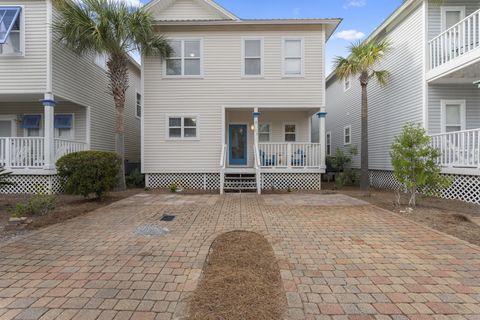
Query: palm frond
{"points": [[381, 76]]}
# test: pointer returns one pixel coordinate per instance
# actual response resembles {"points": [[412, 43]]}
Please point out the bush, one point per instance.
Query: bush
{"points": [[89, 172], [414, 162], [173, 187], [136, 179], [4, 175], [342, 163], [38, 205]]}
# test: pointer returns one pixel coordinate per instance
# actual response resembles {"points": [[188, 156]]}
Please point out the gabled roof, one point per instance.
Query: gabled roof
{"points": [[161, 5]]}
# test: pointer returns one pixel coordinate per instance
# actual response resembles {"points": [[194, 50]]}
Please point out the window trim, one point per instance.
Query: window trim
{"points": [[328, 143], [443, 14], [463, 114], [345, 143], [345, 88], [285, 132], [182, 58], [21, 54], [182, 116], [138, 93], [302, 57], [72, 129], [25, 130], [95, 61], [13, 119], [262, 57], [269, 132]]}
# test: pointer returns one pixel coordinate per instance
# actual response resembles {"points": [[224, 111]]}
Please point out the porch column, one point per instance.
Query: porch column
{"points": [[321, 116], [48, 127], [256, 115]]}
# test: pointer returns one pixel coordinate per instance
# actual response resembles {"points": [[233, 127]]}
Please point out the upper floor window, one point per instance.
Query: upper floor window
{"points": [[11, 30], [293, 57], [290, 132], [182, 127], [453, 115], [328, 143], [185, 59], [347, 83], [451, 16], [347, 135], [101, 61], [138, 109], [252, 57]]}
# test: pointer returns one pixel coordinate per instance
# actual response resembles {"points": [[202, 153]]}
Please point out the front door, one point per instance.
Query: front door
{"points": [[237, 146]]}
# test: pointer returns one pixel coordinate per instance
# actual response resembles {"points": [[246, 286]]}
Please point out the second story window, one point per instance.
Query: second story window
{"points": [[138, 110], [347, 135], [328, 143], [101, 61], [293, 55], [185, 59], [347, 83], [10, 30], [252, 57]]}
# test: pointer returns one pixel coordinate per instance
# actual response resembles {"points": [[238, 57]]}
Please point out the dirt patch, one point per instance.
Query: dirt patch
{"points": [[241, 280], [67, 207], [448, 216]]}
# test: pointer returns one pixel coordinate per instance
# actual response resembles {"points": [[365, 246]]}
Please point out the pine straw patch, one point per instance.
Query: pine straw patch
{"points": [[241, 280]]}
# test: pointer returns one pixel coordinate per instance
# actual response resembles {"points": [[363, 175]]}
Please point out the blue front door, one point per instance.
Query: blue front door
{"points": [[237, 146]]}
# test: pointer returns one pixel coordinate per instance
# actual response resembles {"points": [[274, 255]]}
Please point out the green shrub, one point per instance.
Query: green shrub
{"points": [[38, 205], [136, 179], [89, 172], [4, 175], [173, 187], [341, 163]]}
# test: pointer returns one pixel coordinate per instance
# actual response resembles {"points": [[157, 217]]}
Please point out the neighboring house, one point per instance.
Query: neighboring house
{"points": [[231, 107], [53, 101], [434, 63]]}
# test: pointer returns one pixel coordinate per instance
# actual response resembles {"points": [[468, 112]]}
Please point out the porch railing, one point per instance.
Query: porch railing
{"points": [[29, 153], [456, 41], [459, 149], [290, 155]]}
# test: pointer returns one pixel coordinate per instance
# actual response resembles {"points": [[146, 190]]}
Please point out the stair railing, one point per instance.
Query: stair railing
{"points": [[223, 166], [258, 165]]}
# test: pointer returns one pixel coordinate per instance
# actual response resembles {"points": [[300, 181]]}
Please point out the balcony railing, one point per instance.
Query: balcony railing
{"points": [[456, 41], [29, 153], [289, 155], [460, 149]]}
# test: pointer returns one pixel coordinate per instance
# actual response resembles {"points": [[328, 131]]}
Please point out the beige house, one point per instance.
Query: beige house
{"points": [[53, 101], [232, 107]]}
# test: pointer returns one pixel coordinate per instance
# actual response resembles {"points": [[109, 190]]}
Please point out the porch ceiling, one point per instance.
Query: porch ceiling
{"points": [[270, 109], [466, 75], [21, 97]]}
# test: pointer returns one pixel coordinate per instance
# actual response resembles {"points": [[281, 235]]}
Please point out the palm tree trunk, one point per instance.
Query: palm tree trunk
{"points": [[118, 74], [364, 174]]}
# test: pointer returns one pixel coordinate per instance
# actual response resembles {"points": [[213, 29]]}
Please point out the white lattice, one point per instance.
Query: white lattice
{"points": [[465, 188], [294, 181], [29, 184], [195, 181]]}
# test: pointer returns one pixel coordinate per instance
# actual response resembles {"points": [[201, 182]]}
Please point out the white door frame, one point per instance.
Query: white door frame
{"points": [[13, 119]]}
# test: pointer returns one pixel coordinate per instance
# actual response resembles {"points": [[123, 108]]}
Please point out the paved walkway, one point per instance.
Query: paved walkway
{"points": [[339, 257]]}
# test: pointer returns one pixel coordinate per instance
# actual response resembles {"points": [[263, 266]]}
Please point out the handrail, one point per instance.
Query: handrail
{"points": [[223, 165], [458, 149], [223, 156], [452, 28], [258, 171], [448, 133]]}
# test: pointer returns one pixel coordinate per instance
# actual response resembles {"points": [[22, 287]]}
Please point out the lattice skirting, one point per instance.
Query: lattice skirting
{"points": [[294, 181], [465, 188], [189, 181], [29, 184]]}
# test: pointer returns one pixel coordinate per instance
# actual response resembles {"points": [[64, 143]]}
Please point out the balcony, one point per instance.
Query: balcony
{"points": [[455, 47], [293, 156]]}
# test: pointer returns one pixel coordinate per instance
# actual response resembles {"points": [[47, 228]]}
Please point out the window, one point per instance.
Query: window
{"points": [[252, 57], [293, 57], [264, 132], [101, 61], [11, 33], [347, 83], [451, 16], [32, 124], [182, 127], [138, 109], [185, 59], [328, 143], [347, 135], [453, 115], [290, 131], [63, 124]]}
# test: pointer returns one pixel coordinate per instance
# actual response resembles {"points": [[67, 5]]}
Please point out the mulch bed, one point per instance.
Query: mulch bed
{"points": [[241, 280]]}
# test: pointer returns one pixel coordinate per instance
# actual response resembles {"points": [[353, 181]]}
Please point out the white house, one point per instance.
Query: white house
{"points": [[52, 101], [434, 64], [232, 107]]}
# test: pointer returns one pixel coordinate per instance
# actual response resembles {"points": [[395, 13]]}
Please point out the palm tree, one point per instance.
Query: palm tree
{"points": [[361, 62], [113, 29]]}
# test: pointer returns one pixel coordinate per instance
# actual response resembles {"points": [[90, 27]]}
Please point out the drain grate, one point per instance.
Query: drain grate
{"points": [[167, 217]]}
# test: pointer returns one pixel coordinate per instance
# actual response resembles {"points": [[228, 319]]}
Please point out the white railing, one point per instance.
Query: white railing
{"points": [[258, 165], [460, 149], [455, 41], [223, 165], [290, 155], [64, 147]]}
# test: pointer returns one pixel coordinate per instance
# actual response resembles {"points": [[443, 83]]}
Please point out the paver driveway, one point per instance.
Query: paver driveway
{"points": [[339, 257]]}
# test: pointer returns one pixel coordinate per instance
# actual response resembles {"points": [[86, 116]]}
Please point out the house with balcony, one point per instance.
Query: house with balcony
{"points": [[53, 101], [434, 70], [231, 108]]}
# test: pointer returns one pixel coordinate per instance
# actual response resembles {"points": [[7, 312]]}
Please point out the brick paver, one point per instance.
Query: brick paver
{"points": [[340, 258]]}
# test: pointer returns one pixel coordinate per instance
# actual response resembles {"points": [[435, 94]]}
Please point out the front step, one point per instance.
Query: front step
{"points": [[240, 182]]}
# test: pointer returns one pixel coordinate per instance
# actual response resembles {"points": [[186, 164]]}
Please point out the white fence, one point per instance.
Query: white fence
{"points": [[455, 41], [289, 155], [459, 149]]}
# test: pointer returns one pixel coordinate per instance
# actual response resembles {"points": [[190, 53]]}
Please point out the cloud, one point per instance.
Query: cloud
{"points": [[349, 35], [355, 3]]}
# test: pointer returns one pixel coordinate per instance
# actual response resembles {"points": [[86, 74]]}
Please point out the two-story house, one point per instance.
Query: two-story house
{"points": [[53, 101], [232, 106], [434, 68]]}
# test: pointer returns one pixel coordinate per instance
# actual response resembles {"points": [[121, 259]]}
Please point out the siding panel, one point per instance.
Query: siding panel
{"points": [[186, 10]]}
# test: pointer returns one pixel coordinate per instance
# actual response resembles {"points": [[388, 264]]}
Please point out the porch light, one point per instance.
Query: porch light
{"points": [[477, 83], [252, 127], [8, 17]]}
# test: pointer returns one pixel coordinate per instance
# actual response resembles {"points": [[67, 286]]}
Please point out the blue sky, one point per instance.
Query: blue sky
{"points": [[360, 17]]}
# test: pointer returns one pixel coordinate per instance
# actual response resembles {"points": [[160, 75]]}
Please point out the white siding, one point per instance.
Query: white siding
{"points": [[434, 14], [390, 107], [132, 123], [28, 73], [223, 85], [187, 10]]}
